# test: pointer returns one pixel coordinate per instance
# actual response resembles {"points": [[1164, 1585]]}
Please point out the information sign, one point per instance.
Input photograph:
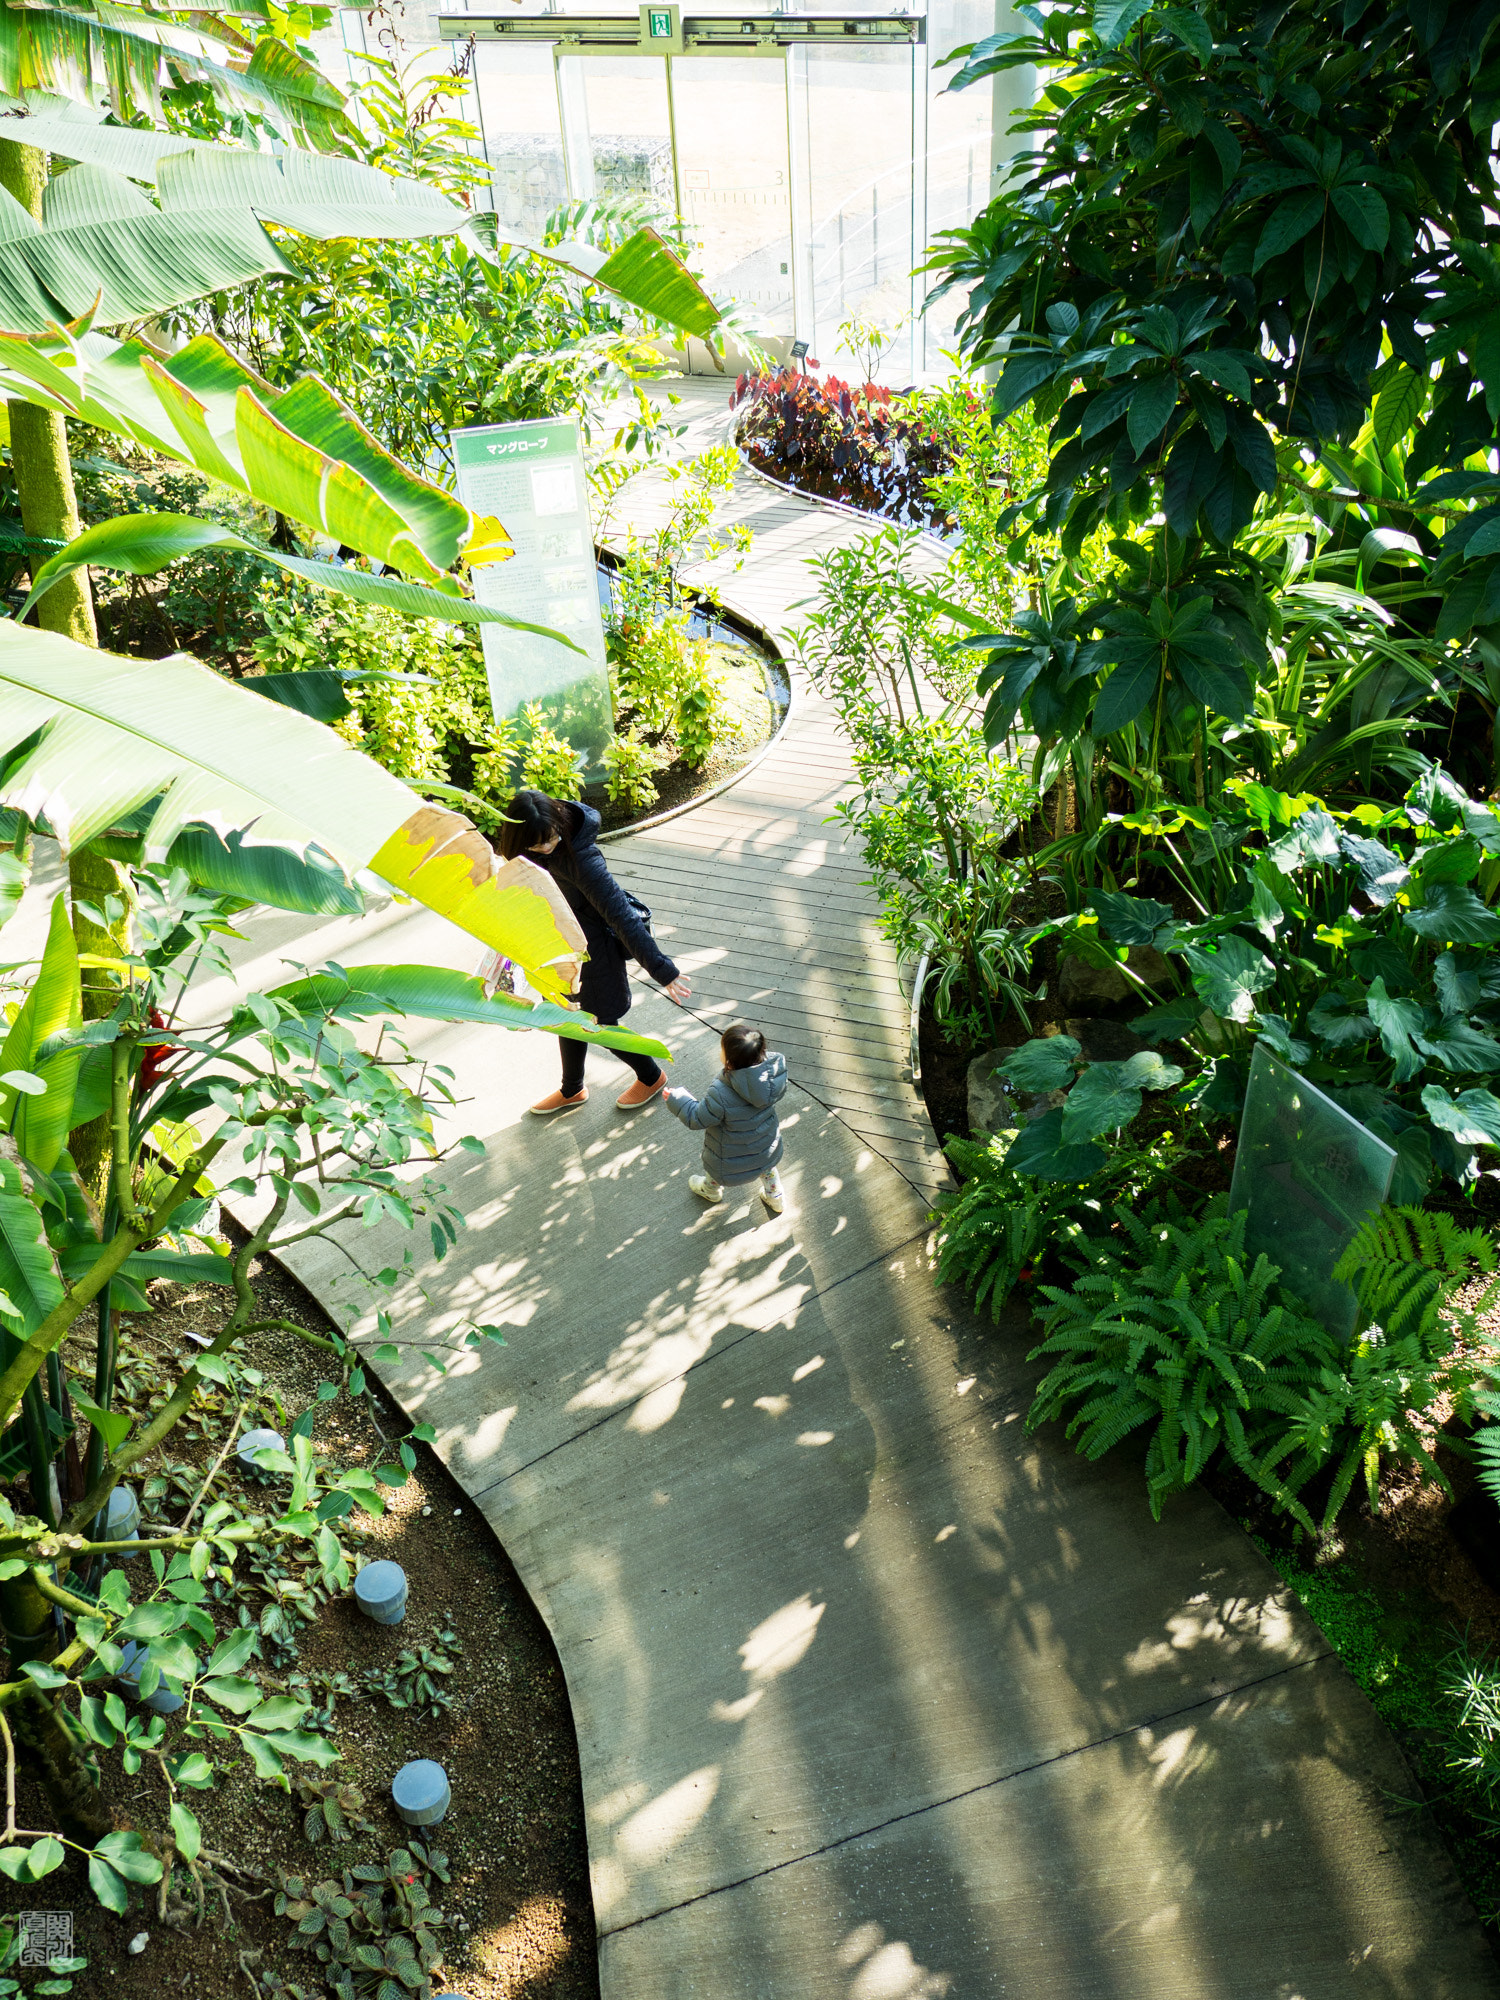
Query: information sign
{"points": [[531, 475]]}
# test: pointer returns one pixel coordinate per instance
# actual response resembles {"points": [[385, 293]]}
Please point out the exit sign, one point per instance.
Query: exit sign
{"points": [[661, 30]]}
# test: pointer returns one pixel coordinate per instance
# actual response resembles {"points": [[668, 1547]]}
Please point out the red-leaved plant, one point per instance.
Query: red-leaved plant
{"points": [[857, 445]]}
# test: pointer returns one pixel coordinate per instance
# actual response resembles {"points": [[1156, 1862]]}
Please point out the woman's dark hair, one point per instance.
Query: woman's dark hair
{"points": [[532, 818], [742, 1046]]}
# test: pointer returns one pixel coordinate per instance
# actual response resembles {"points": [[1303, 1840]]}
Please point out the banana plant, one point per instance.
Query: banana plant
{"points": [[277, 1103], [298, 451], [102, 239], [104, 252], [87, 738], [120, 54]]}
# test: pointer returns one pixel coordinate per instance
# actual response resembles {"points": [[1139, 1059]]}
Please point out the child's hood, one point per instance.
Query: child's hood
{"points": [[762, 1083]]}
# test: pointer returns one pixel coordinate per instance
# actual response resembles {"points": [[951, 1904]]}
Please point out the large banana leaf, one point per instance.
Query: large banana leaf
{"points": [[28, 1269], [205, 232], [305, 879], [113, 53], [299, 451], [101, 238], [38, 1121], [144, 544], [645, 270], [86, 737], [435, 993]]}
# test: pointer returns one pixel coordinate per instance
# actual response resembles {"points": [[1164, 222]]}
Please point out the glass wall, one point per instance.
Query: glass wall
{"points": [[813, 180]]}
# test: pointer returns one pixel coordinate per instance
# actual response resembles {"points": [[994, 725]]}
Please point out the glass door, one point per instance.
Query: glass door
{"points": [[858, 109], [619, 127], [731, 132], [523, 141]]}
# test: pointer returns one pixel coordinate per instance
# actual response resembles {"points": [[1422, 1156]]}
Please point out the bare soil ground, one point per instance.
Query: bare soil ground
{"points": [[520, 1916]]}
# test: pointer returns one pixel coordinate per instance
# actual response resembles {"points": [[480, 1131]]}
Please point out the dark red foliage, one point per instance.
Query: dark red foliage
{"points": [[842, 443], [153, 1056]]}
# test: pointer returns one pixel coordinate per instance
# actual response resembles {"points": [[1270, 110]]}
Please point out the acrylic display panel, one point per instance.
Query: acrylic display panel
{"points": [[531, 476], [1308, 1174]]}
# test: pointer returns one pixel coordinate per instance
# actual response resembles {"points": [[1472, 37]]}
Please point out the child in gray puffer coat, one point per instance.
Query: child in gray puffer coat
{"points": [[737, 1117]]}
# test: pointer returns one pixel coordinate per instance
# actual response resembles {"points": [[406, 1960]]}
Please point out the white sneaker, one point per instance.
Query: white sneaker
{"points": [[705, 1189], [771, 1193]]}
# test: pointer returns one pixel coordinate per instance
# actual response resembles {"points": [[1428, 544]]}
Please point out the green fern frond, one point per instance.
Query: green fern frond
{"points": [[1487, 1459], [1404, 1267]]}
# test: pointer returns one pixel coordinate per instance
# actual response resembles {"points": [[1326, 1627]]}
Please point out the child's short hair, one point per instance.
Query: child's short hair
{"points": [[742, 1045]]}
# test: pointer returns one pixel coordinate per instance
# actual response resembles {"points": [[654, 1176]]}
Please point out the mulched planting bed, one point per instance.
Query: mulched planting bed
{"points": [[519, 1911]]}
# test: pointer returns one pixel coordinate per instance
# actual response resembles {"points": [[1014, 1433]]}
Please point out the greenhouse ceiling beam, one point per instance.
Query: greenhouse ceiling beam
{"points": [[666, 31]]}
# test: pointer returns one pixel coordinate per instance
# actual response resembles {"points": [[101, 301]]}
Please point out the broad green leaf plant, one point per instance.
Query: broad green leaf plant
{"points": [[88, 738], [1359, 946]]}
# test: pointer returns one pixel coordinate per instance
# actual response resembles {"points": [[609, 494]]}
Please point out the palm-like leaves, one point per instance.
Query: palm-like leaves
{"points": [[204, 232], [102, 238]]}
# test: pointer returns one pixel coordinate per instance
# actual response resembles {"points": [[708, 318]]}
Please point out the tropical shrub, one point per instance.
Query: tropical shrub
{"points": [[631, 764], [549, 763], [1243, 242], [1101, 1099], [665, 676], [1359, 945], [933, 808], [1169, 1324]]}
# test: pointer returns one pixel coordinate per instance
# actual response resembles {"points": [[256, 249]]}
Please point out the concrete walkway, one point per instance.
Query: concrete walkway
{"points": [[878, 1697]]}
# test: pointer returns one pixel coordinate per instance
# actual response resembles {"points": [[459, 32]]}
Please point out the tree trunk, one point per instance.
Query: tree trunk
{"points": [[39, 443], [31, 1634]]}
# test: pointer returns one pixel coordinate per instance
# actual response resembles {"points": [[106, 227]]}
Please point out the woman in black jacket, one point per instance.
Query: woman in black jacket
{"points": [[563, 838]]}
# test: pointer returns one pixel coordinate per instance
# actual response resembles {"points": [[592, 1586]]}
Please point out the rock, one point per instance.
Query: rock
{"points": [[139, 1943], [996, 1107], [1085, 989], [1105, 1041], [991, 1107]]}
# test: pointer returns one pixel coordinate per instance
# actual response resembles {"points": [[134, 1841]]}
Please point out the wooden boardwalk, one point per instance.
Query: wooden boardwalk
{"points": [[760, 894]]}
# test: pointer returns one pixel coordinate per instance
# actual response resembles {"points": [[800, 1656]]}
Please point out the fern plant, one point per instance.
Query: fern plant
{"points": [[995, 1229], [1406, 1267], [993, 1233], [1361, 1409], [1171, 1327]]}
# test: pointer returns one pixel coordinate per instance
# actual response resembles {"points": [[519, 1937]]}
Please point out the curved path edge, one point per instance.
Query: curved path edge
{"points": [[878, 1696]]}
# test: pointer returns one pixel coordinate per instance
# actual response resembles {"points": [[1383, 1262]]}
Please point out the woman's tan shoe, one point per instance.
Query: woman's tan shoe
{"points": [[550, 1106], [638, 1094]]}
